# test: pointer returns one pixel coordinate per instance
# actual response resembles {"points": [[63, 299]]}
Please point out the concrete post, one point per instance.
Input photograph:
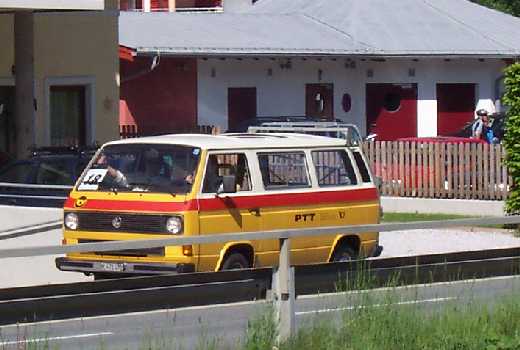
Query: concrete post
{"points": [[25, 103], [147, 6], [172, 5], [283, 280]]}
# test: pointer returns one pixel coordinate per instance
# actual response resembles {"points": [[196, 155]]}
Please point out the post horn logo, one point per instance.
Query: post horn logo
{"points": [[116, 222], [81, 201]]}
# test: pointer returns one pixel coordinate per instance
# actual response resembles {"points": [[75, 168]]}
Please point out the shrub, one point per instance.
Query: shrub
{"points": [[512, 136]]}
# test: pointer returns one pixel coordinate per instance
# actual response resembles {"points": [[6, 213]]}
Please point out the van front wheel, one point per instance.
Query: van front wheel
{"points": [[344, 253], [235, 261]]}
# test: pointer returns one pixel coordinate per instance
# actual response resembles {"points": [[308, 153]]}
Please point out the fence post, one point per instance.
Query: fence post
{"points": [[283, 288]]}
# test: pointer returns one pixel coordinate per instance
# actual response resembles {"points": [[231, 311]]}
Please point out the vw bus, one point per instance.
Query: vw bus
{"points": [[153, 187]]}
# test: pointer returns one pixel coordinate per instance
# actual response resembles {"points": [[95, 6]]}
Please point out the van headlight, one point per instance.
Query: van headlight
{"points": [[174, 225], [71, 221]]}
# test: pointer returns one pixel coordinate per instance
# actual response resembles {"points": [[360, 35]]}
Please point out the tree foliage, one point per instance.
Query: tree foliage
{"points": [[508, 6], [512, 137]]}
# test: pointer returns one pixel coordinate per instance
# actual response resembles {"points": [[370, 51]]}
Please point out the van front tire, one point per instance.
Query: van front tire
{"points": [[235, 261]]}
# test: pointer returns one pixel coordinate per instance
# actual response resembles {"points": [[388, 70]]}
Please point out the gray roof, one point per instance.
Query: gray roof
{"points": [[330, 27], [231, 34]]}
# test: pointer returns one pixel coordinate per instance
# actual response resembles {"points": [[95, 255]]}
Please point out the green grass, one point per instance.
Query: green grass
{"points": [[390, 326], [410, 217], [407, 217]]}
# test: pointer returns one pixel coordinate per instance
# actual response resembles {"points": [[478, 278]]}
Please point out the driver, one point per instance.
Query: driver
{"points": [[117, 176]]}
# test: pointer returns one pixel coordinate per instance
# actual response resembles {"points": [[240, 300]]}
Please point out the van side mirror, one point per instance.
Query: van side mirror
{"points": [[378, 181], [229, 184], [371, 137]]}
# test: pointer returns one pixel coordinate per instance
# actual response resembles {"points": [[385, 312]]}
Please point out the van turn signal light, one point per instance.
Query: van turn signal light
{"points": [[187, 250]]}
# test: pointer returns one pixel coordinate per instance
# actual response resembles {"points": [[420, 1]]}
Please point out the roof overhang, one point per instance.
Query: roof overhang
{"points": [[12, 5], [333, 54]]}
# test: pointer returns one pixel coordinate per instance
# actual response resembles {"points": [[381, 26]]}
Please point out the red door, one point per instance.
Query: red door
{"points": [[391, 110], [319, 101], [241, 108], [455, 106]]}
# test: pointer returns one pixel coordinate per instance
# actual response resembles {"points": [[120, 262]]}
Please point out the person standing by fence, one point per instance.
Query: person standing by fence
{"points": [[481, 128]]}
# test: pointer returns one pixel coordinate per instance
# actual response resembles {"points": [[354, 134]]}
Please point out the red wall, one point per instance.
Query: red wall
{"points": [[162, 101], [163, 4]]}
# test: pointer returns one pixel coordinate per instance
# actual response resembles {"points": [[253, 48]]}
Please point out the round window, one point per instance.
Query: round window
{"points": [[392, 101], [346, 102]]}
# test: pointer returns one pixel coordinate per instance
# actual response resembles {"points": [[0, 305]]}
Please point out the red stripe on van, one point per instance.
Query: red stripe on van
{"points": [[239, 202], [290, 199], [138, 206]]}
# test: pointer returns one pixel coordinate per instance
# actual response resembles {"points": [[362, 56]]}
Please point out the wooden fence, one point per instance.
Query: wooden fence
{"points": [[440, 170], [131, 130]]}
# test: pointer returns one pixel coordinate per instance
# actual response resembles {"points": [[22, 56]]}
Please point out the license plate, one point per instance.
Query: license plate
{"points": [[113, 267]]}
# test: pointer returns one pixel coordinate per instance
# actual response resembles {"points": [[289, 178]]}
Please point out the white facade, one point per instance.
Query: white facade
{"points": [[281, 91]]}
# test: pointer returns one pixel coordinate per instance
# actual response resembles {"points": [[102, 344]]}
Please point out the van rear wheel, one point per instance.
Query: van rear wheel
{"points": [[344, 253], [235, 261]]}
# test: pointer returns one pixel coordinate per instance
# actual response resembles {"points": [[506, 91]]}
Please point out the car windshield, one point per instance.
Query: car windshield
{"points": [[142, 168]]}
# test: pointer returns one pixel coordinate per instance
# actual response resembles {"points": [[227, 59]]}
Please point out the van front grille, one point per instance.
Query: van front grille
{"points": [[126, 252], [119, 222]]}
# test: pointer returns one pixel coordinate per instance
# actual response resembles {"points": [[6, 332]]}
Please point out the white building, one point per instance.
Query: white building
{"points": [[396, 68]]}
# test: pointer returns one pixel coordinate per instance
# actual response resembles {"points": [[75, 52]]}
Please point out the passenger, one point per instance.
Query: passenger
{"points": [[182, 179], [212, 180], [156, 172]]}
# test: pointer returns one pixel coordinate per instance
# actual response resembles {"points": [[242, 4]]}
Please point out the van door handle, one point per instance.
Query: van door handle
{"points": [[255, 211]]}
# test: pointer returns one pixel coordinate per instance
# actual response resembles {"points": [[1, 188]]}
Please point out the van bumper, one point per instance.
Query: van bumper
{"points": [[119, 267]]}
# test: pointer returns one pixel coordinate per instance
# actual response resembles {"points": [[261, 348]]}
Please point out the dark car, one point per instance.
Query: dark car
{"points": [[45, 179]]}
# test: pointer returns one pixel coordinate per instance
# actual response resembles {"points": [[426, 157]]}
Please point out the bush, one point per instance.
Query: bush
{"points": [[512, 137]]}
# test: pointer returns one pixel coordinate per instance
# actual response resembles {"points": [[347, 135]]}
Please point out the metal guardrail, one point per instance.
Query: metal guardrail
{"points": [[35, 186], [84, 299], [265, 235], [33, 194], [283, 277]]}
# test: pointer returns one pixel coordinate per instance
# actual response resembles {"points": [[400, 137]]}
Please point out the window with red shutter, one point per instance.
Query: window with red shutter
{"points": [[159, 5]]}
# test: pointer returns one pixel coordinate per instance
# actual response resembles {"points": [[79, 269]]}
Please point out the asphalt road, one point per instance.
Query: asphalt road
{"points": [[200, 327]]}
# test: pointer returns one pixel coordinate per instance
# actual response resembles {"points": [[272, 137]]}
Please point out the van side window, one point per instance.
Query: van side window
{"points": [[283, 170], [226, 164], [365, 175], [333, 168]]}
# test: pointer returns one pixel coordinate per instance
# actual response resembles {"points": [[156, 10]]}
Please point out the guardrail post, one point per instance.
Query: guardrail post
{"points": [[283, 288]]}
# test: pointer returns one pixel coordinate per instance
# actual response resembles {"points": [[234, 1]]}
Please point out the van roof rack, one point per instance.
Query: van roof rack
{"points": [[335, 129]]}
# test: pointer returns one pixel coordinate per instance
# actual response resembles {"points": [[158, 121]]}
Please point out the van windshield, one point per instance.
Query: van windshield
{"points": [[142, 168]]}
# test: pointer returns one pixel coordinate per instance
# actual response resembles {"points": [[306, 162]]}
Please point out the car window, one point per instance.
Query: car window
{"points": [[156, 168], [226, 164], [283, 170], [54, 172], [333, 168], [17, 173]]}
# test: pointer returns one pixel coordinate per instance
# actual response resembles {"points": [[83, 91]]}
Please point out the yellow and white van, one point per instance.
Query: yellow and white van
{"points": [[190, 185]]}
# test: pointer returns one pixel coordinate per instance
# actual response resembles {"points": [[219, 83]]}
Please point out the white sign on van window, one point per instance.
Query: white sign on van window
{"points": [[92, 179]]}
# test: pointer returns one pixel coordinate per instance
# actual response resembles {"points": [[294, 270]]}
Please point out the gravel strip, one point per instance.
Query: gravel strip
{"points": [[432, 241]]}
